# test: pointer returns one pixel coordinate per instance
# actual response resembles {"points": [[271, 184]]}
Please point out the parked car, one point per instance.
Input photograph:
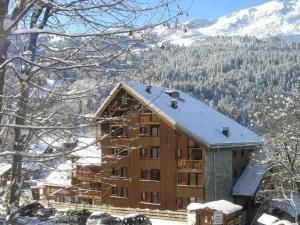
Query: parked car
{"points": [[111, 220], [46, 213], [136, 219], [95, 217]]}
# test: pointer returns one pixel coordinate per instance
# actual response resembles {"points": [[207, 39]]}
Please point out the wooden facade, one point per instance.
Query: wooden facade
{"points": [[148, 163]]}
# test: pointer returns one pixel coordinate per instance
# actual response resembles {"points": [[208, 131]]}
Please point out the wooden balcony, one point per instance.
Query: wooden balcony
{"points": [[190, 191], [88, 193], [190, 165], [88, 176], [148, 118]]}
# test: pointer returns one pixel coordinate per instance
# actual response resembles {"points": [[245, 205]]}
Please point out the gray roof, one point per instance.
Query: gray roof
{"points": [[250, 179], [192, 116]]}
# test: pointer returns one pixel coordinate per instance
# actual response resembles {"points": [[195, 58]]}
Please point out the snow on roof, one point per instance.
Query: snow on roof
{"points": [[284, 222], [250, 179], [221, 205], [288, 205], [88, 152], [61, 176], [267, 219], [192, 116], [4, 167]]}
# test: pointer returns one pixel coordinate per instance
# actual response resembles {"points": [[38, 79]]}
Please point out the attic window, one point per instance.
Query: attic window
{"points": [[226, 131], [173, 93]]}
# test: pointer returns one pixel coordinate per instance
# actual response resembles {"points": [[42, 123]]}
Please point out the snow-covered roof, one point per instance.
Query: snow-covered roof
{"points": [[221, 205], [4, 167], [283, 222], [250, 179], [61, 176], [191, 116], [267, 219], [88, 152], [288, 205]]}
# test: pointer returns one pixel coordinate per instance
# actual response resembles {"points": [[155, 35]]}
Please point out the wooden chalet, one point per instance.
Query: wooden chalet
{"points": [[163, 149]]}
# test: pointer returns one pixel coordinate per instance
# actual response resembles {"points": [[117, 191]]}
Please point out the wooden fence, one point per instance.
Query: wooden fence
{"points": [[153, 214]]}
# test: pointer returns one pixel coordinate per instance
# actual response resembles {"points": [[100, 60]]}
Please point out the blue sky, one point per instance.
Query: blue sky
{"points": [[216, 8]]}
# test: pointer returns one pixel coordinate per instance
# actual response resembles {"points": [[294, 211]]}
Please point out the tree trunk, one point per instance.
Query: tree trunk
{"points": [[19, 146]]}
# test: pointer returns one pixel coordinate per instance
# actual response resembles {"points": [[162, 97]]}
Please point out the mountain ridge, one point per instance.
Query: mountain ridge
{"points": [[276, 18]]}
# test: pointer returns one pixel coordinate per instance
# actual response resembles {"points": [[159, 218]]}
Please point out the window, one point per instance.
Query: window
{"points": [[143, 174], [114, 151], [124, 172], [195, 154], [155, 174], [117, 131], [179, 153], [143, 153], [155, 152], [114, 190], [234, 174], [179, 202], [194, 179], [192, 144], [114, 171], [155, 197], [123, 152], [145, 110], [155, 130], [143, 195], [124, 192], [143, 130], [234, 154]]}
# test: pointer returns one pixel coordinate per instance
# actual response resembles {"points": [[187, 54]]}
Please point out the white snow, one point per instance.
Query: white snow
{"points": [[61, 176], [267, 219], [4, 167], [284, 222], [275, 18], [221, 205], [88, 152], [194, 117], [290, 205]]}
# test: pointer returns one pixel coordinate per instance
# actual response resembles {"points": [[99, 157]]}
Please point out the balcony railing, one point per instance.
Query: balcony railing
{"points": [[89, 193], [191, 165], [148, 118], [88, 176]]}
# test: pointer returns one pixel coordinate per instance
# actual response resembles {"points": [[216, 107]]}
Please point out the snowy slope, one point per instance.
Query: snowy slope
{"points": [[277, 18]]}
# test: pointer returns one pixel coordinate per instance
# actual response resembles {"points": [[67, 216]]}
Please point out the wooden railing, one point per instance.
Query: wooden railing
{"points": [[191, 165], [89, 193], [88, 176], [148, 118]]}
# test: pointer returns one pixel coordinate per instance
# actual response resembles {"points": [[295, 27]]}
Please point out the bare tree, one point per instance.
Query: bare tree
{"points": [[280, 122], [43, 43]]}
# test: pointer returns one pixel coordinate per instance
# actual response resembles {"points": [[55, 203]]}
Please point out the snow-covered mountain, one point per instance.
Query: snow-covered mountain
{"points": [[277, 18]]}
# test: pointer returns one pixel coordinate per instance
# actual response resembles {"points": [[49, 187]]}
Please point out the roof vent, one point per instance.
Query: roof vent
{"points": [[148, 88], [174, 104], [173, 93], [226, 131]]}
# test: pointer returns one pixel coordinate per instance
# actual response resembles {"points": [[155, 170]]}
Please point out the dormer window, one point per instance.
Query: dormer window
{"points": [[173, 93], [226, 131]]}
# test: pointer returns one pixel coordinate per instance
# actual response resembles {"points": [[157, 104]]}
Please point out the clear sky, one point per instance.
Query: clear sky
{"points": [[216, 8]]}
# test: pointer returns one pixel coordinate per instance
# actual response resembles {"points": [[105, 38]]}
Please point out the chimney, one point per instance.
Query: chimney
{"points": [[226, 131], [148, 88], [174, 103]]}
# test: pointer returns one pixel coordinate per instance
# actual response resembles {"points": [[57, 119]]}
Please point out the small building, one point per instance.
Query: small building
{"points": [[217, 212], [86, 171]]}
